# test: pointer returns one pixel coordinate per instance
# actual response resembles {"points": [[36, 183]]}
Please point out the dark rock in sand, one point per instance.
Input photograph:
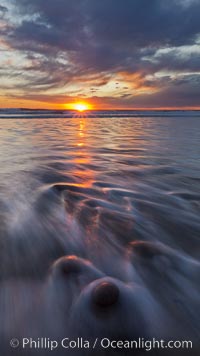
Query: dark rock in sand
{"points": [[105, 294]]}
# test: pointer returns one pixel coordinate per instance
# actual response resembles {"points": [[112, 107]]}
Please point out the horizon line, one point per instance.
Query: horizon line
{"points": [[106, 109]]}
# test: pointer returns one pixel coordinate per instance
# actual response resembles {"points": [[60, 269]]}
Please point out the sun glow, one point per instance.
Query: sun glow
{"points": [[81, 106]]}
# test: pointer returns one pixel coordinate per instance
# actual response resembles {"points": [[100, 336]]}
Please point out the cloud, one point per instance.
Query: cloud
{"points": [[64, 42], [3, 10], [115, 24]]}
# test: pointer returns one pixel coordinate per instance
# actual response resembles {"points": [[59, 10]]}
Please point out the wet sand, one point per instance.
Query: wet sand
{"points": [[100, 231]]}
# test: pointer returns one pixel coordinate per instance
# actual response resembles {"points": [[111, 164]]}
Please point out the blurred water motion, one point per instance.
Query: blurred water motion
{"points": [[91, 187]]}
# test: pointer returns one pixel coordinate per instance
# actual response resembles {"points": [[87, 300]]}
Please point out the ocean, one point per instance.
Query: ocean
{"points": [[118, 194]]}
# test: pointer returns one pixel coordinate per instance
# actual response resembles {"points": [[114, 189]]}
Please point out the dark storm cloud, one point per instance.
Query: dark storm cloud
{"points": [[137, 22], [57, 24], [142, 23], [105, 36], [116, 24]]}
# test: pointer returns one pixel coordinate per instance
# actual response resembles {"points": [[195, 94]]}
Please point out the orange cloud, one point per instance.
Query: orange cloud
{"points": [[137, 82]]}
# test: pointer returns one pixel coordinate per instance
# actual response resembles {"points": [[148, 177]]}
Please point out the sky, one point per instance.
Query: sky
{"points": [[113, 54]]}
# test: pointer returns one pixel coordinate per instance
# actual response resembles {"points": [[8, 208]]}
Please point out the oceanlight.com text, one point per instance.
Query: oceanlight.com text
{"points": [[99, 343]]}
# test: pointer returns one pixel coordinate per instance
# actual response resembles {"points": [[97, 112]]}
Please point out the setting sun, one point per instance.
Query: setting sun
{"points": [[81, 106]]}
